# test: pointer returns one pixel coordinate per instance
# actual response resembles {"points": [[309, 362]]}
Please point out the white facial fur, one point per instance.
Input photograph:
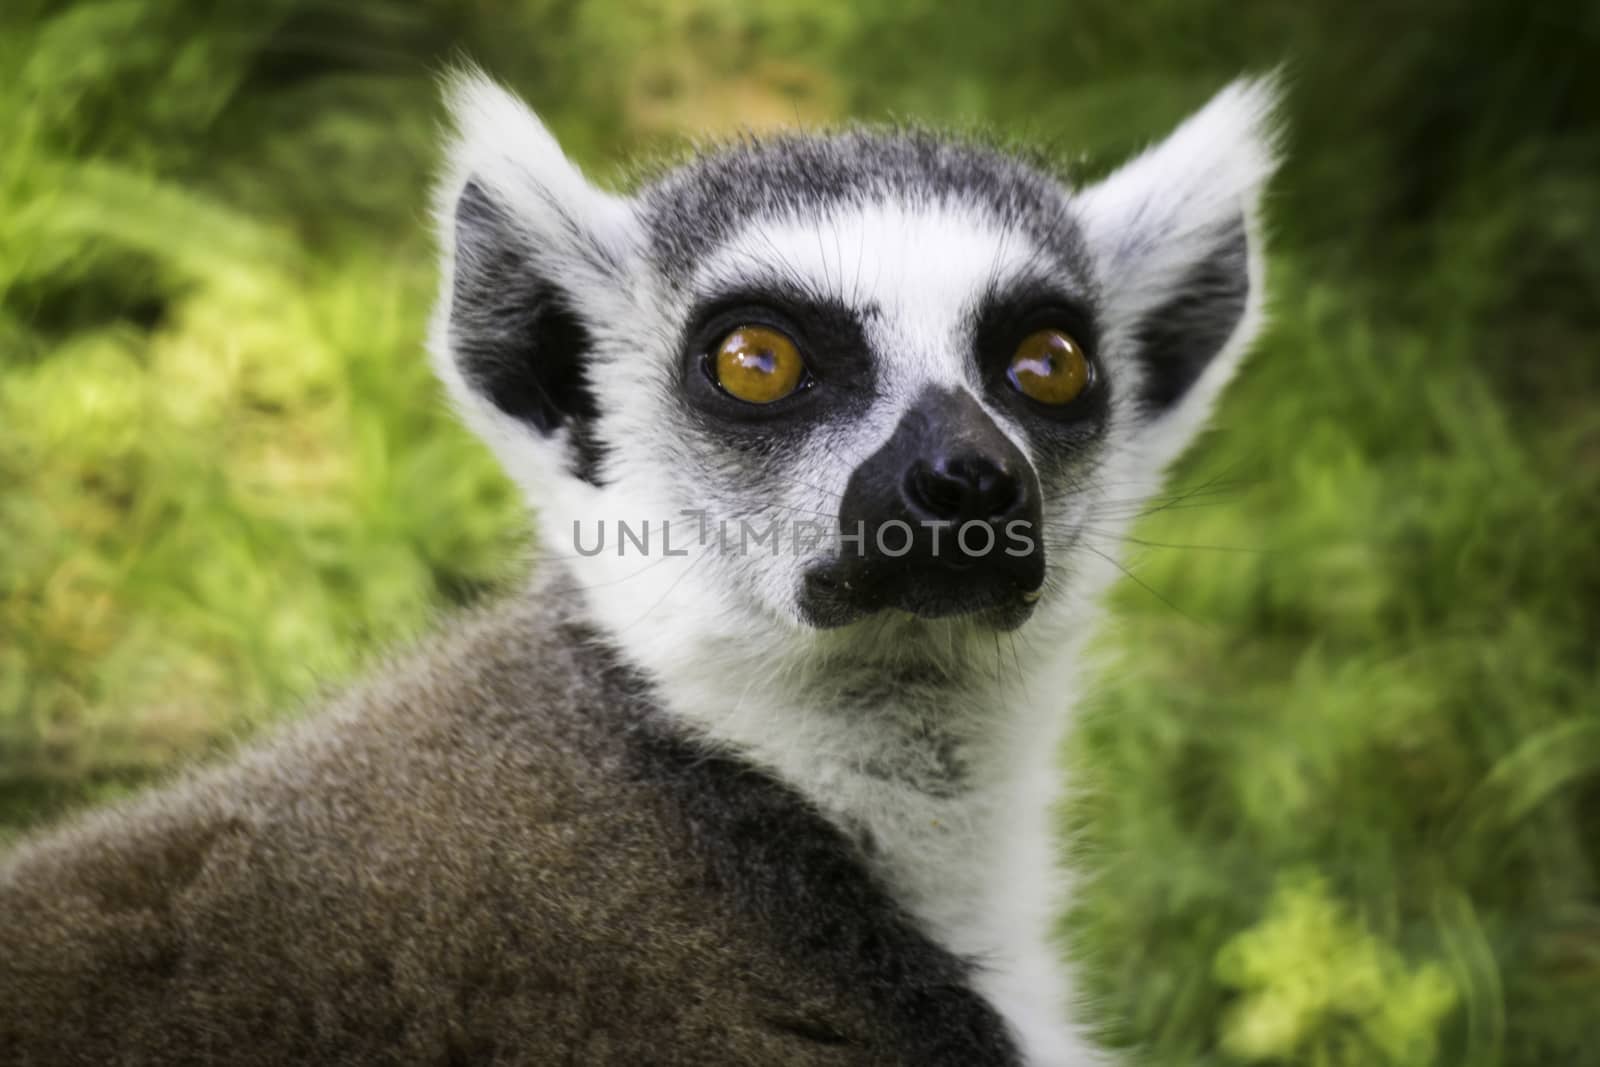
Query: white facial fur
{"points": [[950, 782]]}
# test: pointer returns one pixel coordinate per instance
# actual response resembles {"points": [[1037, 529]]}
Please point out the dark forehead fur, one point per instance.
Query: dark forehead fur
{"points": [[697, 206]]}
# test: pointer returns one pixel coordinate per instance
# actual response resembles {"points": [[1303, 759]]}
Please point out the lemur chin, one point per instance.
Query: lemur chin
{"points": [[769, 778]]}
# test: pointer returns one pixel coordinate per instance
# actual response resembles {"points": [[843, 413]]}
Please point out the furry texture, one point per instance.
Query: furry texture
{"points": [[727, 807], [465, 864]]}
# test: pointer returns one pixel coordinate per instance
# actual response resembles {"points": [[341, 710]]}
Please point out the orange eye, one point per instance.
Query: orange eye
{"points": [[1049, 367], [758, 365]]}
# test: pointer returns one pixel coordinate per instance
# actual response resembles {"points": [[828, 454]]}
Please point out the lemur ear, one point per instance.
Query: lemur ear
{"points": [[1176, 247], [535, 260]]}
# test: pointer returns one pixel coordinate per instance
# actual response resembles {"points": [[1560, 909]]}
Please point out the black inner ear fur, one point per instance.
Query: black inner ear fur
{"points": [[1181, 337], [514, 334]]}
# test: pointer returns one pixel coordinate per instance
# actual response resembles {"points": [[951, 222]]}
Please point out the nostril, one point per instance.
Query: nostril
{"points": [[932, 491], [962, 488], [990, 490]]}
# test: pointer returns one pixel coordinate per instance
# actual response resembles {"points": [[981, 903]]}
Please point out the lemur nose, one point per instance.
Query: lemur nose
{"points": [[942, 519], [962, 488]]}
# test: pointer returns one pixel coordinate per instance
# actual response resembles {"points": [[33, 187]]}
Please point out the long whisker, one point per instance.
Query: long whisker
{"points": [[669, 590], [1140, 582], [1142, 542]]}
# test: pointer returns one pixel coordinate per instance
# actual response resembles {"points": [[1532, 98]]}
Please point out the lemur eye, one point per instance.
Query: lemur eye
{"points": [[1050, 367], [758, 365]]}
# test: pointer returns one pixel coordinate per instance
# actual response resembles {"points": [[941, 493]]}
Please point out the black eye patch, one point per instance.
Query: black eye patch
{"points": [[1003, 321], [831, 337]]}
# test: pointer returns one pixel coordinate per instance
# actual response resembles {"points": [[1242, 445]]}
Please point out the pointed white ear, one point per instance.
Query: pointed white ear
{"points": [[535, 259], [1175, 239]]}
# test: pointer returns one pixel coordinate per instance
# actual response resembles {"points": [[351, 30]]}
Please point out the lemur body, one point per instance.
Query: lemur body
{"points": [[769, 806]]}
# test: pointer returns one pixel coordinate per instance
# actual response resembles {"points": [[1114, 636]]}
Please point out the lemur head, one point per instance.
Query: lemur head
{"points": [[864, 374]]}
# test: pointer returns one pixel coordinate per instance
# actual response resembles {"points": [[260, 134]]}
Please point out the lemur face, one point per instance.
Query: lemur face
{"points": [[847, 374], [937, 306]]}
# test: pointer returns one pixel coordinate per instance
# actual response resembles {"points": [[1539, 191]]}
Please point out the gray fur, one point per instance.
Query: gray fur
{"points": [[470, 862]]}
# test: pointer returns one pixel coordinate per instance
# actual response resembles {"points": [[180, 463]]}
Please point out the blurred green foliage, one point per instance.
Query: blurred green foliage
{"points": [[1338, 798]]}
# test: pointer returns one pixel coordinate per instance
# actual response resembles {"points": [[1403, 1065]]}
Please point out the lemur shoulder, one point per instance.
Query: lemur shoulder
{"points": [[787, 803]]}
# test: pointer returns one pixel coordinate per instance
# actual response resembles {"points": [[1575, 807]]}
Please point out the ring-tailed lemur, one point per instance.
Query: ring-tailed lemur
{"points": [[781, 802]]}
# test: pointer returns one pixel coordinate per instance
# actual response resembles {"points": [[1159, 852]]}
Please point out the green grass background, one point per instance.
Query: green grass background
{"points": [[1338, 802]]}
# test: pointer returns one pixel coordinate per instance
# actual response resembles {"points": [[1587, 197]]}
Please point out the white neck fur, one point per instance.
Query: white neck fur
{"points": [[951, 785]]}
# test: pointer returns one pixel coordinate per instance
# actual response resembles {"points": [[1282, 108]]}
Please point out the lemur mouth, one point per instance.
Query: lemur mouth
{"points": [[841, 592]]}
